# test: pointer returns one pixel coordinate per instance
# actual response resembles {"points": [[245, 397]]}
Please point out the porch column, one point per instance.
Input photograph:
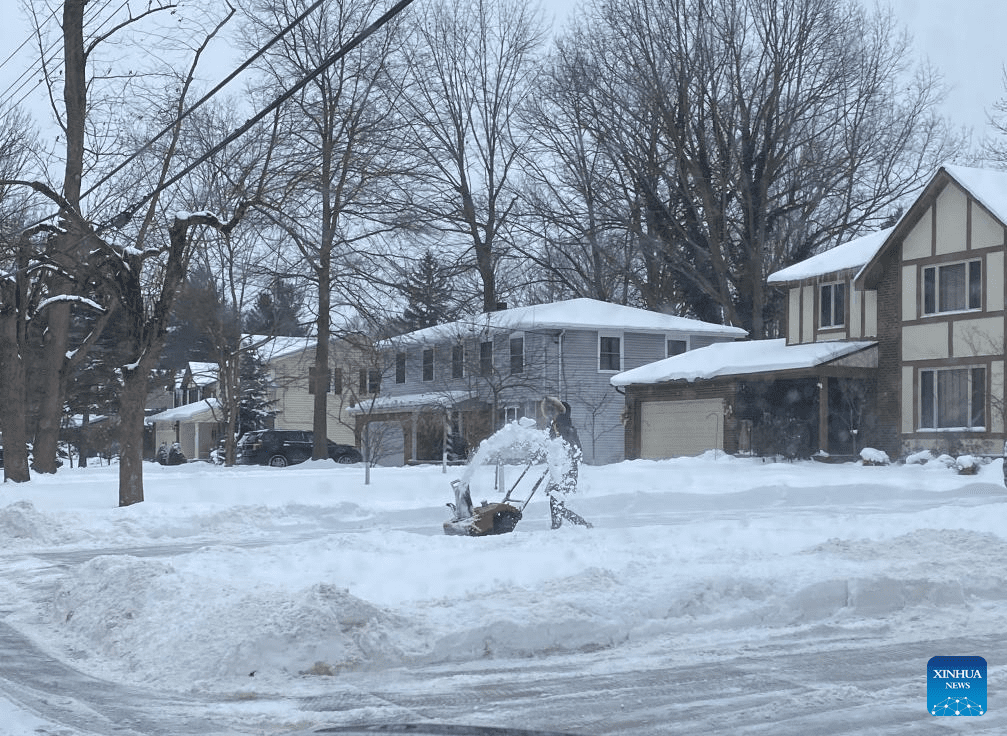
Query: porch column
{"points": [[823, 413], [413, 421]]}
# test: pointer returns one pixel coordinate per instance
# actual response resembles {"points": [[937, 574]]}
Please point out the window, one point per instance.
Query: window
{"points": [[953, 398], [609, 353], [833, 305], [512, 414], [955, 287], [457, 361], [677, 347], [428, 364], [485, 358], [370, 381], [337, 381], [400, 368], [517, 355]]}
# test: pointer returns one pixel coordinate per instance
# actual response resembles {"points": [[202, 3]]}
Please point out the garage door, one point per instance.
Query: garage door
{"points": [[675, 428]]}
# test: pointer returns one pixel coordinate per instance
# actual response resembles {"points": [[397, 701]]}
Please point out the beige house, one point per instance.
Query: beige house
{"points": [[290, 362]]}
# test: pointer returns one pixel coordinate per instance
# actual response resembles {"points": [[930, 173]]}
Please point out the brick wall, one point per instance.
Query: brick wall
{"points": [[884, 431]]}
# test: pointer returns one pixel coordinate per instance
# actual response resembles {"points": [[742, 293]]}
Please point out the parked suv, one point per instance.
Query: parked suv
{"points": [[282, 447]]}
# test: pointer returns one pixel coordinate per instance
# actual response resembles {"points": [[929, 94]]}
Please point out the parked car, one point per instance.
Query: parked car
{"points": [[282, 447]]}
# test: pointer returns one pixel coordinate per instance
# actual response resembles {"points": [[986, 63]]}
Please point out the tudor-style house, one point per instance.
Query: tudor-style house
{"points": [[894, 340], [450, 386], [940, 280]]}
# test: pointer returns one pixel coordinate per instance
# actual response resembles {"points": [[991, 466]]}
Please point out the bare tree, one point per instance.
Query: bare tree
{"points": [[325, 193], [471, 66], [748, 135]]}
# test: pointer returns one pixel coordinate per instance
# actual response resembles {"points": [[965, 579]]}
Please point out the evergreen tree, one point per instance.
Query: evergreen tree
{"points": [[429, 294], [197, 319], [276, 311], [254, 407]]}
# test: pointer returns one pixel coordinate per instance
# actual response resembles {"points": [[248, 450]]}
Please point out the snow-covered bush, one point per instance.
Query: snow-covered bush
{"points": [[946, 460], [967, 464], [919, 458], [870, 456]]}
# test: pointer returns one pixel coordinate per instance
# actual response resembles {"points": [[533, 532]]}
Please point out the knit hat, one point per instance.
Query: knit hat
{"points": [[552, 407]]}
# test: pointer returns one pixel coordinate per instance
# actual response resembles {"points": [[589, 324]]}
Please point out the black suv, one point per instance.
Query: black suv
{"points": [[282, 447]]}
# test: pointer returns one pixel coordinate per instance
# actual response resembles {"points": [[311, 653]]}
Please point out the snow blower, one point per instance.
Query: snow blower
{"points": [[487, 518]]}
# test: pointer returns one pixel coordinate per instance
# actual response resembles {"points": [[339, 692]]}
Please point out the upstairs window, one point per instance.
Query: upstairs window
{"points": [[833, 305], [486, 359], [953, 398], [517, 355], [677, 347], [609, 353], [955, 287], [400, 368], [370, 381], [457, 361], [428, 364]]}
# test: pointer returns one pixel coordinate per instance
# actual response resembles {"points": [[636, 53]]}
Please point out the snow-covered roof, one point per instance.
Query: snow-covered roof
{"points": [[738, 358], [407, 402], [574, 314], [986, 185], [849, 255], [186, 412], [203, 374], [271, 348]]}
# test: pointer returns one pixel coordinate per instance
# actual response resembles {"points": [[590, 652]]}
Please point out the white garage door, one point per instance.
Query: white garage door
{"points": [[675, 428]]}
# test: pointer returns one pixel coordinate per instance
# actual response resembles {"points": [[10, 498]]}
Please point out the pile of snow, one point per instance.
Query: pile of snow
{"points": [[126, 610]]}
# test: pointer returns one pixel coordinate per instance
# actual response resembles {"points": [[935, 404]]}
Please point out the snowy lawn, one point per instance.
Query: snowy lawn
{"points": [[273, 580]]}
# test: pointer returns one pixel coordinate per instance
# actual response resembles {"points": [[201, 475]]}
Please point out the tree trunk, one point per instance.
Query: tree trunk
{"points": [[50, 410], [131, 414], [58, 315], [320, 429], [13, 400]]}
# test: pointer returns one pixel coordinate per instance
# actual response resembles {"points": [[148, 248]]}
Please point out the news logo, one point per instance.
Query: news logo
{"points": [[956, 686]]}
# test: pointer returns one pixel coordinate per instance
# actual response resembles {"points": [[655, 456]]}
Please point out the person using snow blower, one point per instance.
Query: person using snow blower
{"points": [[557, 413]]}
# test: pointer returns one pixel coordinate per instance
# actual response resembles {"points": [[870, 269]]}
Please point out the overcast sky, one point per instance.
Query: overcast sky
{"points": [[959, 37]]}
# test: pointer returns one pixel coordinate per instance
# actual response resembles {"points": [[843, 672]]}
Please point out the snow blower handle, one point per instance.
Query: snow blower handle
{"points": [[535, 488], [526, 469]]}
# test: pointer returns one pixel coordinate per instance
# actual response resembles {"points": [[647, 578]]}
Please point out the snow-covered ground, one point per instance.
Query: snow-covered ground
{"points": [[251, 593]]}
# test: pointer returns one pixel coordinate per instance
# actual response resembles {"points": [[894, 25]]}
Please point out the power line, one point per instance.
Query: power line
{"points": [[230, 77], [48, 55], [123, 217]]}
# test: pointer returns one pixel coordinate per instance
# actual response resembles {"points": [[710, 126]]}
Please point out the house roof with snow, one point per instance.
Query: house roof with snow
{"points": [[199, 411], [738, 359], [986, 186], [853, 254], [203, 374], [588, 314], [410, 402], [271, 348]]}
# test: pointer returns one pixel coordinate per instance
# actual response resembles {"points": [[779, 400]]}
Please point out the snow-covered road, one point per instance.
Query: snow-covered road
{"points": [[714, 595]]}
